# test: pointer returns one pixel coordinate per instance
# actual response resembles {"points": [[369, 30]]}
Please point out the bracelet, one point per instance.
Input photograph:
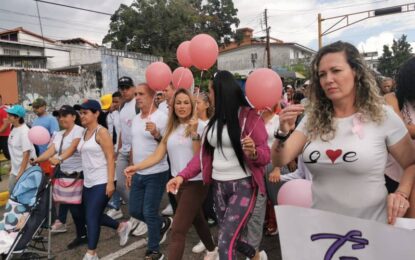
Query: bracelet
{"points": [[196, 137], [402, 194], [281, 136]]}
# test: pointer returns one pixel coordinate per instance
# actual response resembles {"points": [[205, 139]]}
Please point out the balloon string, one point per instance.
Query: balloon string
{"points": [[180, 79], [253, 128], [148, 118], [198, 91]]}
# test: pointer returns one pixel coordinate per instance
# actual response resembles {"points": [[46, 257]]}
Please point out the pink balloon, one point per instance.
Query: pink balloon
{"points": [[263, 88], [182, 78], [39, 135], [204, 51], [296, 193], [158, 75], [183, 54]]}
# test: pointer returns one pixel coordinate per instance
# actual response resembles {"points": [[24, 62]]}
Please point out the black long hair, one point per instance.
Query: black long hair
{"points": [[405, 80], [228, 99]]}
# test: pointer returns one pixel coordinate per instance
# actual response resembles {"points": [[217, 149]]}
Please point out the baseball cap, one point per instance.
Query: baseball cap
{"points": [[17, 110], [125, 82], [106, 101], [91, 104], [66, 110], [39, 102]]}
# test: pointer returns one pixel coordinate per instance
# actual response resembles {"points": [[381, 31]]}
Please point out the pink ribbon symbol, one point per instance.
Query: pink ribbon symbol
{"points": [[357, 128]]}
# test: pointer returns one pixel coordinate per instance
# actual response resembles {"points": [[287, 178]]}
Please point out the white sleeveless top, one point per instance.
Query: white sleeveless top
{"points": [[393, 169], [94, 162]]}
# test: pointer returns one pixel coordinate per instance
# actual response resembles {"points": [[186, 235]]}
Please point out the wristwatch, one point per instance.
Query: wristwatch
{"points": [[281, 135], [60, 159]]}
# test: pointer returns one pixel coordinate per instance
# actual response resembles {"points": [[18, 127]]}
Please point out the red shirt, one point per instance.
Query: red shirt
{"points": [[3, 115]]}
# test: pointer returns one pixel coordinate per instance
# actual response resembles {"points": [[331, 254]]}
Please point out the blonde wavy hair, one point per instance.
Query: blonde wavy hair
{"points": [[320, 110]]}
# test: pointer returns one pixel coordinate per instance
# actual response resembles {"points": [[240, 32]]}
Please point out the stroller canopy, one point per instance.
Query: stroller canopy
{"points": [[27, 187]]}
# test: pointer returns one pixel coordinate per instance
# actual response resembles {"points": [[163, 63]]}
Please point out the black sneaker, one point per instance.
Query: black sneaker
{"points": [[77, 242], [165, 227], [153, 255]]}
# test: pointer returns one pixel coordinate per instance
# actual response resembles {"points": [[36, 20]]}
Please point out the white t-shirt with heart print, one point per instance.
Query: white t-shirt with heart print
{"points": [[348, 171]]}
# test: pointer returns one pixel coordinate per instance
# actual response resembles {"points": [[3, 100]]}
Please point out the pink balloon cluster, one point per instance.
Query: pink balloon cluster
{"points": [[263, 88], [39, 135], [202, 52], [296, 193]]}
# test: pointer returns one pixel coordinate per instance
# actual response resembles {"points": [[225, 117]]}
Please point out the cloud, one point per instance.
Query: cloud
{"points": [[376, 43]]}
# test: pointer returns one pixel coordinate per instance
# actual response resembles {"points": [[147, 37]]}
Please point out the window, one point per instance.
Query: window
{"points": [[11, 52]]}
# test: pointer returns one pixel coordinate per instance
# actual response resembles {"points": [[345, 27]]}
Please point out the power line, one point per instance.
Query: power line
{"points": [[74, 7]]}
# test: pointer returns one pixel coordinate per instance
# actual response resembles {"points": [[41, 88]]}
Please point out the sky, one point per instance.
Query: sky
{"points": [[290, 20]]}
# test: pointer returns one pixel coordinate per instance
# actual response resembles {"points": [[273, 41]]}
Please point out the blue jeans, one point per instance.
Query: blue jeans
{"points": [[145, 198], [95, 201]]}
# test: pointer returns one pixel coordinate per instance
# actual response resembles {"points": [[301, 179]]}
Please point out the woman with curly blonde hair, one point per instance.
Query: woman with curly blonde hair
{"points": [[345, 138]]}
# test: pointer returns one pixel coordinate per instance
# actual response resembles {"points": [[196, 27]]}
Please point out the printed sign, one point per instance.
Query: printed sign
{"points": [[310, 234]]}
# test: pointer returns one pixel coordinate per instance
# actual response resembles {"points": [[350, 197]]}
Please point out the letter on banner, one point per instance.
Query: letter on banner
{"points": [[310, 234]]}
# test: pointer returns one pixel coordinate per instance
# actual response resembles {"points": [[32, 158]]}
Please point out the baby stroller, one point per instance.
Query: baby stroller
{"points": [[28, 212]]}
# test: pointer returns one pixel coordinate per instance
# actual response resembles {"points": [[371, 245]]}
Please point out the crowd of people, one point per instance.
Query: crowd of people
{"points": [[221, 161]]}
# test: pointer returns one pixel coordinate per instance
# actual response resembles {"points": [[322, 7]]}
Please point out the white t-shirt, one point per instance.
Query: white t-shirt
{"points": [[127, 114], [348, 171], [271, 126], [73, 163], [144, 143], [225, 163], [164, 107], [180, 149], [18, 143]]}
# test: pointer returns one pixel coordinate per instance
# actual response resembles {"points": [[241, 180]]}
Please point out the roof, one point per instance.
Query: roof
{"points": [[79, 40], [256, 43], [38, 71], [21, 29]]}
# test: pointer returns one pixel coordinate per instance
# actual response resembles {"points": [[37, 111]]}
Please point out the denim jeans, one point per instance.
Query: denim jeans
{"points": [[145, 198]]}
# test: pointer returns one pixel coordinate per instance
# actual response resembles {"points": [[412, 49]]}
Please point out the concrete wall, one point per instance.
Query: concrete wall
{"points": [[8, 87], [114, 67], [82, 55], [59, 58], [56, 88]]}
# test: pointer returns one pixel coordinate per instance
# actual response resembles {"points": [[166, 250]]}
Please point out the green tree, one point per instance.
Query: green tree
{"points": [[158, 26], [393, 57]]}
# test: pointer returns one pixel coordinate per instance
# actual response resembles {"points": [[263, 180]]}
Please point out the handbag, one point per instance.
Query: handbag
{"points": [[67, 187]]}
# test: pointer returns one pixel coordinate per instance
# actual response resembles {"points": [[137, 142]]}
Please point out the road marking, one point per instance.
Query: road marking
{"points": [[138, 244]]}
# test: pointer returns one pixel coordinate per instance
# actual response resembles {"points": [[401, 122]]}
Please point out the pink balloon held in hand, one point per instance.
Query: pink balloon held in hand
{"points": [[296, 193], [39, 135], [183, 54], [204, 51], [263, 88], [158, 75], [182, 78]]}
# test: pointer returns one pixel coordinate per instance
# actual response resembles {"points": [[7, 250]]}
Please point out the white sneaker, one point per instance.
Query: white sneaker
{"points": [[124, 233], [90, 257], [167, 211], [263, 255], [114, 214], [199, 248], [134, 222], [58, 227], [212, 255], [141, 229]]}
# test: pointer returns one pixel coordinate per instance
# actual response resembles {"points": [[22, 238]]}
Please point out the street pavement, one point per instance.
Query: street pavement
{"points": [[109, 248]]}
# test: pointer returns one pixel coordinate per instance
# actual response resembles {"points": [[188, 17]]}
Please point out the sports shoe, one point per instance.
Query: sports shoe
{"points": [[199, 248], [167, 211], [165, 229], [212, 255], [58, 227], [77, 242], [114, 214], [124, 232], [153, 255], [141, 229], [134, 222], [262, 256], [90, 257]]}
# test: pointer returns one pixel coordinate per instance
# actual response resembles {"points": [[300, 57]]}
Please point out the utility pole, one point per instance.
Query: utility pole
{"points": [[267, 46], [345, 20]]}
